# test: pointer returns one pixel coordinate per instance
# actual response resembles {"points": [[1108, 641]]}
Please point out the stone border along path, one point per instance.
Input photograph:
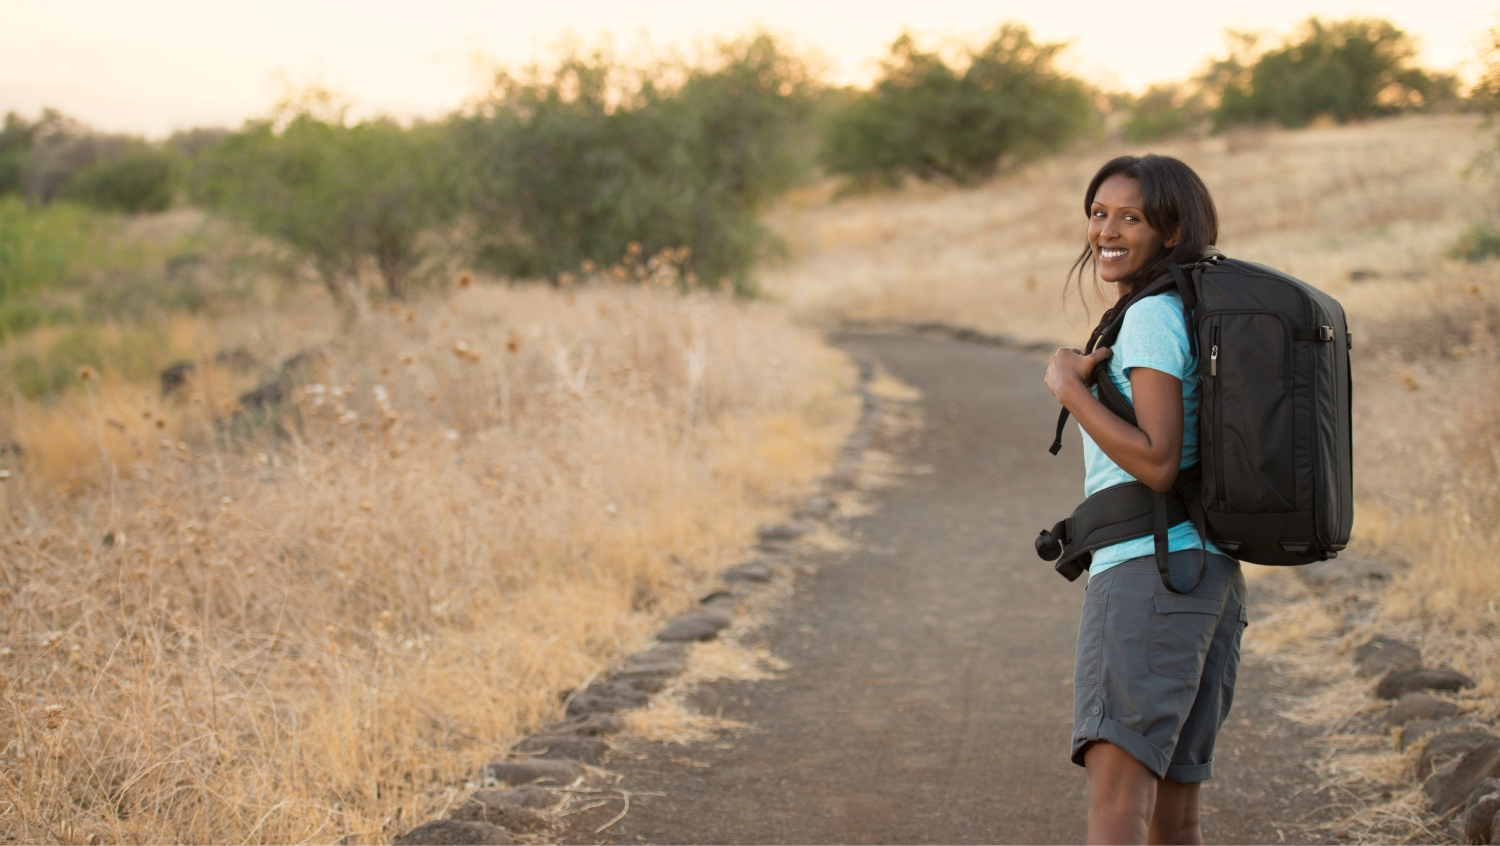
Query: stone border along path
{"points": [[553, 763], [1458, 764]]}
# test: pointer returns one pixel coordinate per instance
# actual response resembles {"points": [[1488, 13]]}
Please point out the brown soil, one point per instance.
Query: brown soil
{"points": [[928, 693]]}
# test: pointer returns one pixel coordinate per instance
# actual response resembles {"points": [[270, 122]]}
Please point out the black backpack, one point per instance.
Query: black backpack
{"points": [[1274, 482]]}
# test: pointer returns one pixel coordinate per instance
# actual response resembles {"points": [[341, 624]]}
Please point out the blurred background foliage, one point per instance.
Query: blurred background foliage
{"points": [[576, 163], [961, 120]]}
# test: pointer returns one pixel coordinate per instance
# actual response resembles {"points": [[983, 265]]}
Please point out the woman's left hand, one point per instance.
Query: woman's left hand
{"points": [[1069, 370]]}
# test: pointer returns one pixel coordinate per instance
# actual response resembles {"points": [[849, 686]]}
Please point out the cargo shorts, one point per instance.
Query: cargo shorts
{"points": [[1155, 670]]}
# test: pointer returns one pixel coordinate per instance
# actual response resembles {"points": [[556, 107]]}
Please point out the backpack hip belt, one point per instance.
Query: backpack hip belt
{"points": [[1121, 513]]}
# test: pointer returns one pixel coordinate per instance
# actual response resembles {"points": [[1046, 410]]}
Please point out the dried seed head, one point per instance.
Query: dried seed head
{"points": [[588, 266], [86, 374], [465, 279], [161, 423]]}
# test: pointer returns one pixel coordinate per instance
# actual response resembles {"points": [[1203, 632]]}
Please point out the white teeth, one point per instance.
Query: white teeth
{"points": [[1111, 252]]}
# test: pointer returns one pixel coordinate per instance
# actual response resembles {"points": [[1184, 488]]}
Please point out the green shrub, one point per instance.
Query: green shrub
{"points": [[927, 119], [1162, 112], [577, 162], [1478, 243], [41, 249], [138, 181], [1345, 70], [336, 195], [15, 144]]}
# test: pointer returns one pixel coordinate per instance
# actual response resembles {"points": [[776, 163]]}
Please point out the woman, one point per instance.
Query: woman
{"points": [[1155, 671]]}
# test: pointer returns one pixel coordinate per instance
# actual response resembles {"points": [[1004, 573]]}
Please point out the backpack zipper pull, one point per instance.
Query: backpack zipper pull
{"points": [[1213, 361]]}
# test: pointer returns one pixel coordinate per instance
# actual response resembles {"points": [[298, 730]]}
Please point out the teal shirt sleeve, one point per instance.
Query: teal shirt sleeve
{"points": [[1154, 336]]}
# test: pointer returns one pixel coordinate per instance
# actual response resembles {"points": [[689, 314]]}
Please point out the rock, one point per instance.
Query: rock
{"points": [[594, 725], [174, 377], [661, 653], [1381, 654], [529, 796], [1398, 683], [1416, 731], [751, 572], [455, 833], [781, 533], [1325, 573], [606, 698], [571, 747], [1449, 788], [508, 816], [1485, 788], [652, 671], [817, 507], [1420, 706], [1362, 274], [645, 684], [1448, 747], [1479, 819], [532, 771], [702, 623]]}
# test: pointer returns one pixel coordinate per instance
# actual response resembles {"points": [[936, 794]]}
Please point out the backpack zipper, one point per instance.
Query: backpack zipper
{"points": [[1213, 355], [1213, 371]]}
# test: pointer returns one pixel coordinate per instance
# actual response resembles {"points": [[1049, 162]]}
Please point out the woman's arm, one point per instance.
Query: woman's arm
{"points": [[1150, 452]]}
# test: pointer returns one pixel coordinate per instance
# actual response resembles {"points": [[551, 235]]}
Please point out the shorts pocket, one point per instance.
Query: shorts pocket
{"points": [[1088, 664], [1182, 629], [1232, 665]]}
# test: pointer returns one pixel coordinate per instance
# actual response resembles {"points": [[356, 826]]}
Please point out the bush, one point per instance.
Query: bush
{"points": [[576, 163], [927, 119], [40, 249], [1162, 112], [1478, 243], [138, 181], [1345, 70], [336, 195], [15, 143]]}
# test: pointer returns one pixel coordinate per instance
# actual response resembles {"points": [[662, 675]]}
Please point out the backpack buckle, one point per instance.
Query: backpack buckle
{"points": [[1325, 333]]}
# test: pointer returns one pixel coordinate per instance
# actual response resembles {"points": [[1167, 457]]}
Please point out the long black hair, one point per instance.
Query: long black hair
{"points": [[1175, 200]]}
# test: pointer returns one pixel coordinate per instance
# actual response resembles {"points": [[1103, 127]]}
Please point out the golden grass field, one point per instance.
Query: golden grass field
{"points": [[1386, 198], [221, 634]]}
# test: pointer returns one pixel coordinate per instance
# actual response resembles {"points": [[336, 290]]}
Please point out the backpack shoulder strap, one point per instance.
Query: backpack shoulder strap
{"points": [[1112, 398]]}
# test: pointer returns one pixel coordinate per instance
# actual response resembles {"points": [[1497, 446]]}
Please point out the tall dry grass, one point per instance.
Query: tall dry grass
{"points": [[218, 627]]}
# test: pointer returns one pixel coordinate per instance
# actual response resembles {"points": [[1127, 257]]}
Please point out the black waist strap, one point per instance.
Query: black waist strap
{"points": [[1121, 513]]}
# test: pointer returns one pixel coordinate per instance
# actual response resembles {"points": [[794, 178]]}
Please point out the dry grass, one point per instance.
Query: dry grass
{"points": [[1386, 197], [239, 631]]}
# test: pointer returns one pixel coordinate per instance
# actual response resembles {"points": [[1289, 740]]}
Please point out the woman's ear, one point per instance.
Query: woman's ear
{"points": [[1174, 238]]}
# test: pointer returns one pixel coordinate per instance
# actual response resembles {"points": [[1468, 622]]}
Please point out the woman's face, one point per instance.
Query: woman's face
{"points": [[1122, 240]]}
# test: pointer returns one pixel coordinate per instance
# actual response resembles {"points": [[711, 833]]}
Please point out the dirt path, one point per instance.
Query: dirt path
{"points": [[929, 688]]}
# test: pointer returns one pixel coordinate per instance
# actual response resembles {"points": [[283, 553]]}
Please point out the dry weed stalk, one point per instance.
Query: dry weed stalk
{"points": [[238, 628]]}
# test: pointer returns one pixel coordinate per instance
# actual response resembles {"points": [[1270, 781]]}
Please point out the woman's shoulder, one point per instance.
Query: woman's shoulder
{"points": [[1154, 314], [1154, 333]]}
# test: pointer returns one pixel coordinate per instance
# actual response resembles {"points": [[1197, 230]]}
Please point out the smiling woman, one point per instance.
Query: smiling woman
{"points": [[1153, 682]]}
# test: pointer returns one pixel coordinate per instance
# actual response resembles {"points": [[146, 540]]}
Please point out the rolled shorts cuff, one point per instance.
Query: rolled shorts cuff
{"points": [[1191, 773], [1135, 746]]}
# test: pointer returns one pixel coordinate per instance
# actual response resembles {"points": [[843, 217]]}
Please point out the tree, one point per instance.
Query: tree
{"points": [[336, 195], [576, 162], [1346, 70], [927, 119]]}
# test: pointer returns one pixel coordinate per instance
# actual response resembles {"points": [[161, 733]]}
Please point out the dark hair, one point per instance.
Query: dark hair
{"points": [[1174, 199]]}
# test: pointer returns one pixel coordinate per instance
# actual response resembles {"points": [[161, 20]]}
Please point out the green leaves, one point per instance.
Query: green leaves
{"points": [[577, 162], [926, 118], [1344, 70]]}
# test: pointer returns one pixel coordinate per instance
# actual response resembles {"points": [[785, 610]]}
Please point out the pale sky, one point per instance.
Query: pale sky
{"points": [[152, 66]]}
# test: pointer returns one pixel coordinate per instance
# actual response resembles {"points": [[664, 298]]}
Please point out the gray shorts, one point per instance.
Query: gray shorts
{"points": [[1155, 670]]}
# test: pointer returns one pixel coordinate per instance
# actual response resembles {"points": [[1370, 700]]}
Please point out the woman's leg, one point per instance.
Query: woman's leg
{"points": [[1128, 804], [1122, 795], [1175, 818]]}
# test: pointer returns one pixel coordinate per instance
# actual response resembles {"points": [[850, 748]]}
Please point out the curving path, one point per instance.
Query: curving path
{"points": [[928, 697]]}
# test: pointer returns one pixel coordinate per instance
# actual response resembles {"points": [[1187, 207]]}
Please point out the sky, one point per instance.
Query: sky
{"points": [[155, 66]]}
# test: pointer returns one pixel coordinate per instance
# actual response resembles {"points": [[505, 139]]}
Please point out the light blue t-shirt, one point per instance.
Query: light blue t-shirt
{"points": [[1154, 336]]}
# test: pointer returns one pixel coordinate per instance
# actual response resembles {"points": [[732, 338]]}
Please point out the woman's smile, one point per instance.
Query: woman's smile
{"points": [[1123, 240]]}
